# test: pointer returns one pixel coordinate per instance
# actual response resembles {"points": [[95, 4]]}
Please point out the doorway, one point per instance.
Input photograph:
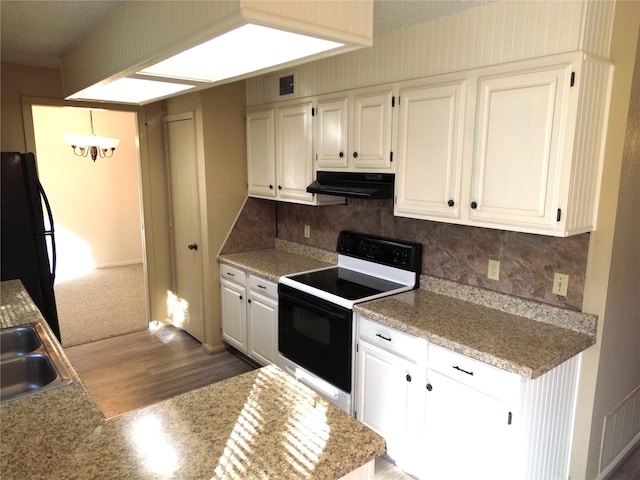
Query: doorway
{"points": [[100, 282]]}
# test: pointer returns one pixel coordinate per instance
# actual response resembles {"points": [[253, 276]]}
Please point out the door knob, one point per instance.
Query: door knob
{"points": [[192, 246]]}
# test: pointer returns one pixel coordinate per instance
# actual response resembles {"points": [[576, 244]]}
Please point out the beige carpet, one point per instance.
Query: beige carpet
{"points": [[104, 303]]}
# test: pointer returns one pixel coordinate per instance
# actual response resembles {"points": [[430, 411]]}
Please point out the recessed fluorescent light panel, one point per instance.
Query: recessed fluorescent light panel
{"points": [[129, 90], [249, 48]]}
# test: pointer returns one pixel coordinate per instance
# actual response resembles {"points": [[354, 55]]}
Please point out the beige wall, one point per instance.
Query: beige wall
{"points": [[96, 205], [17, 81]]}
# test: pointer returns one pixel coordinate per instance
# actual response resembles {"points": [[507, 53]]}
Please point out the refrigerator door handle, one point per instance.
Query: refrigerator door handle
{"points": [[50, 232]]}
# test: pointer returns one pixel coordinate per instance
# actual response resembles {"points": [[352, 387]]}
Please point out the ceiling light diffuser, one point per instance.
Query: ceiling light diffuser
{"points": [[129, 90], [249, 48]]}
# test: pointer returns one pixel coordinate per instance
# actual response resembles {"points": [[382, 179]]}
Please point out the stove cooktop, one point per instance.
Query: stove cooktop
{"points": [[346, 283]]}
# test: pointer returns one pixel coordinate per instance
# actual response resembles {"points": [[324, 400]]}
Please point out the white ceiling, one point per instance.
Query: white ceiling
{"points": [[38, 33]]}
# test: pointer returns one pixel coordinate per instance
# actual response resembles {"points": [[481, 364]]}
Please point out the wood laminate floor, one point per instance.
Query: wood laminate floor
{"points": [[139, 369]]}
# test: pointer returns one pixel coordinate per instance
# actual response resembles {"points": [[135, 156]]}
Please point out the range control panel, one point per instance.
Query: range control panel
{"points": [[387, 251]]}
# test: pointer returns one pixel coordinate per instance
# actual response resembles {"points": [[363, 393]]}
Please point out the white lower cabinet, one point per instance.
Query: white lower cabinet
{"points": [[249, 310], [262, 320], [459, 418], [390, 386], [233, 295]]}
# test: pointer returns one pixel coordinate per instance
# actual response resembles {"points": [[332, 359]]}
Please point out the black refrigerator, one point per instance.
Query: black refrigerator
{"points": [[28, 240]]}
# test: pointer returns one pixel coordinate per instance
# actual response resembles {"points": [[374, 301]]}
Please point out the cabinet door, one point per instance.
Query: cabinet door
{"points": [[430, 136], [467, 434], [389, 396], [331, 134], [261, 160], [294, 152], [370, 134], [233, 310], [262, 325], [518, 147]]}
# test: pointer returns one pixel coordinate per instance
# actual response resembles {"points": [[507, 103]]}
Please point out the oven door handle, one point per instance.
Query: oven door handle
{"points": [[311, 306]]}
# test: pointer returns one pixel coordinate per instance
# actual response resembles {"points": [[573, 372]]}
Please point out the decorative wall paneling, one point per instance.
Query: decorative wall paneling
{"points": [[490, 34]]}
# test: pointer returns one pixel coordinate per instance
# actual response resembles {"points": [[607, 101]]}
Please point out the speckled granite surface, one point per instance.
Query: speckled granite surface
{"points": [[514, 343], [274, 262], [261, 425]]}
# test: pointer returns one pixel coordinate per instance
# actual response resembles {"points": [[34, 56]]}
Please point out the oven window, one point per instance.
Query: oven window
{"points": [[313, 326], [316, 335]]}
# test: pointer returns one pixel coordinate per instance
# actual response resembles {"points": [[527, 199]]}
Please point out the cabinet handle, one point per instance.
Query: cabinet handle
{"points": [[429, 387], [341, 154], [248, 300], [355, 154], [408, 377], [388, 339], [231, 274], [463, 371], [474, 205], [262, 287], [451, 203]]}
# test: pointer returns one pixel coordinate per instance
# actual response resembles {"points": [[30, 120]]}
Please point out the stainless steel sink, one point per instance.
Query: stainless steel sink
{"points": [[29, 362]]}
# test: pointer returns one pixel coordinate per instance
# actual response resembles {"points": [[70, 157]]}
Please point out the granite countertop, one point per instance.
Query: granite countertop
{"points": [[262, 424], [518, 335], [274, 262], [511, 342]]}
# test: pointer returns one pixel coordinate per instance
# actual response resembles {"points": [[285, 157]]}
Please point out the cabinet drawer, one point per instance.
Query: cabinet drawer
{"points": [[263, 287], [483, 377], [393, 340], [233, 274]]}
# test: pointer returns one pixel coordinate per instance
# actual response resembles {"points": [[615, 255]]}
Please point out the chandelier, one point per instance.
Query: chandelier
{"points": [[84, 145]]}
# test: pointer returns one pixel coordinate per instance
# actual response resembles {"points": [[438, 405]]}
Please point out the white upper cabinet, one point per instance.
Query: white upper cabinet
{"points": [[354, 132], [280, 154], [261, 153], [521, 118], [429, 151], [294, 152], [331, 133], [532, 141]]}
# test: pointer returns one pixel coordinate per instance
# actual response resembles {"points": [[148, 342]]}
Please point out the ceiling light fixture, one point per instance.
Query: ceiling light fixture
{"points": [[84, 145]]}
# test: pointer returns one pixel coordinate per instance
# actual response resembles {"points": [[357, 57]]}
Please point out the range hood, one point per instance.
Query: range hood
{"points": [[354, 184]]}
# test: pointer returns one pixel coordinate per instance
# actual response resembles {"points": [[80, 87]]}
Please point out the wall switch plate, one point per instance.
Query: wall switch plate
{"points": [[560, 284], [307, 231], [493, 272]]}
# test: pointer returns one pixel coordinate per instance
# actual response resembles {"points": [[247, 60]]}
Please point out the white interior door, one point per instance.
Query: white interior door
{"points": [[186, 306]]}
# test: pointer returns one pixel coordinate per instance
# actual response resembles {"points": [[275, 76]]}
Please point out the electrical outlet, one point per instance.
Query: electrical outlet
{"points": [[560, 284], [307, 231], [493, 272]]}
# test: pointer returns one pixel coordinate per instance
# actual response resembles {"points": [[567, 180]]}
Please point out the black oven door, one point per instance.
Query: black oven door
{"points": [[316, 335]]}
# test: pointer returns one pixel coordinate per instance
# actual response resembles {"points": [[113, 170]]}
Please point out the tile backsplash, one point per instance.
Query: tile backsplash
{"points": [[453, 252]]}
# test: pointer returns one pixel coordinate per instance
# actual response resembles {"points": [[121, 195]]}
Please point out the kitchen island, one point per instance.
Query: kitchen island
{"points": [[262, 424]]}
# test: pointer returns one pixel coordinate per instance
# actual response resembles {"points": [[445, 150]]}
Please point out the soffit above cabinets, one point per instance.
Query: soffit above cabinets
{"points": [[139, 35]]}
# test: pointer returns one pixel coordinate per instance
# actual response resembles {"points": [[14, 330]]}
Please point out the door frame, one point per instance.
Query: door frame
{"points": [[142, 162], [197, 115]]}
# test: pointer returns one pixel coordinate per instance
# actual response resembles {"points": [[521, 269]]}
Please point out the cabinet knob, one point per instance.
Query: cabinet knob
{"points": [[474, 205], [451, 203], [192, 246], [408, 377], [279, 187], [248, 300], [341, 154], [429, 387], [240, 297], [270, 187], [355, 154]]}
